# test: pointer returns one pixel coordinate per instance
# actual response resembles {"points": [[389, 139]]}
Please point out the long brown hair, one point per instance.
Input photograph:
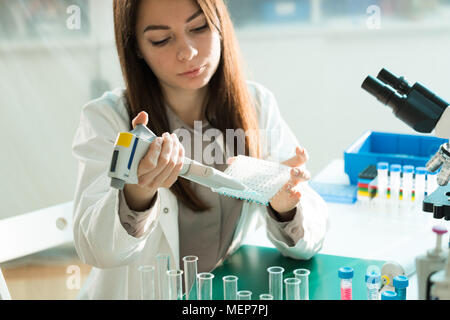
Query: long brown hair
{"points": [[229, 105]]}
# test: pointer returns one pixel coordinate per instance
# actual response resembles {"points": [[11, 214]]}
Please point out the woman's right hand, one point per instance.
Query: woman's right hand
{"points": [[159, 168]]}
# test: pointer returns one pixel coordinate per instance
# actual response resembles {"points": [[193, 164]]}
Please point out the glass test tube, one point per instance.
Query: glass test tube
{"points": [[276, 282], [265, 296], [292, 286], [303, 275], [407, 185], [244, 295], [190, 277], [431, 182], [373, 282], [230, 287], [204, 285], [382, 182], [147, 273], [175, 280], [163, 265], [419, 186], [394, 183], [346, 276]]}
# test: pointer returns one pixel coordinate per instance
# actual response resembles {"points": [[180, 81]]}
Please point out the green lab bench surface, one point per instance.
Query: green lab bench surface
{"points": [[250, 264]]}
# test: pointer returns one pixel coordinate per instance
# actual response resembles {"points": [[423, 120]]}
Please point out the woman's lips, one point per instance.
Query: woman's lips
{"points": [[194, 72]]}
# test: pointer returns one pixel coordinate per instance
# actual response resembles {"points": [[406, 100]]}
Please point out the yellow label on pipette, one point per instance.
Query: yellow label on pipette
{"points": [[124, 139]]}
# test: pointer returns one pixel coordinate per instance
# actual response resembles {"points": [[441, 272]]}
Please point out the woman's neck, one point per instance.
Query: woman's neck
{"points": [[188, 105]]}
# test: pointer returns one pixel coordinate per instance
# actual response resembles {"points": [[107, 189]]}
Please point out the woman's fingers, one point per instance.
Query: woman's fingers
{"points": [[141, 118], [300, 158]]}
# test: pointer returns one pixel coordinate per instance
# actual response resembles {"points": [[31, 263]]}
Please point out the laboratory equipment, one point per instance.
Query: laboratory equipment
{"points": [[394, 184], [400, 285], [162, 266], [430, 263], [388, 295], [147, 274], [205, 285], [423, 111], [382, 182], [303, 276], [129, 149], [230, 287], [4, 292], [244, 295], [407, 186], [419, 185], [373, 282], [389, 271], [440, 282], [292, 286], [175, 280], [190, 277], [276, 282], [346, 276], [265, 296]]}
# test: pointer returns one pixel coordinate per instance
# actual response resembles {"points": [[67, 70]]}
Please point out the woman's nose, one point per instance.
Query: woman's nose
{"points": [[186, 50]]}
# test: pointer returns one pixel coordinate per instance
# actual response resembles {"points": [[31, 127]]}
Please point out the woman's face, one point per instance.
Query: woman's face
{"points": [[175, 40]]}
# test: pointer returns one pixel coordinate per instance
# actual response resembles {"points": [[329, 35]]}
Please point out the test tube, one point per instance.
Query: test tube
{"points": [[346, 276], [419, 186], [163, 265], [394, 183], [190, 277], [303, 275], [431, 182], [204, 285], [388, 295], [292, 286], [382, 182], [147, 273], [400, 285], [175, 280], [230, 287], [407, 185], [265, 296], [373, 282], [244, 295], [276, 282]]}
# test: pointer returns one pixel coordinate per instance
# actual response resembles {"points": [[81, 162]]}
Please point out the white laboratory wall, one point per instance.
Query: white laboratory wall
{"points": [[316, 78]]}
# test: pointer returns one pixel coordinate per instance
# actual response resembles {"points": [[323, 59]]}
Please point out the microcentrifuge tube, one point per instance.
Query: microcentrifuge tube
{"points": [[419, 186], [190, 277], [382, 182], [230, 287], [388, 295], [163, 265], [346, 276], [394, 183], [400, 285], [175, 280], [373, 282], [147, 273], [292, 286], [265, 296], [407, 185], [244, 295], [431, 182], [276, 282], [303, 275], [205, 285]]}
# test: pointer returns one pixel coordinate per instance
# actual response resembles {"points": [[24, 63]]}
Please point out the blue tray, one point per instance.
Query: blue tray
{"points": [[404, 149]]}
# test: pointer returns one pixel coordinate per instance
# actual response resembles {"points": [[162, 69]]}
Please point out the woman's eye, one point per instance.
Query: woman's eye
{"points": [[200, 28], [160, 43]]}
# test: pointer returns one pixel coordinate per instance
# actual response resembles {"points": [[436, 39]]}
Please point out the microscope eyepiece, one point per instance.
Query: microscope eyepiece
{"points": [[384, 93], [398, 83]]}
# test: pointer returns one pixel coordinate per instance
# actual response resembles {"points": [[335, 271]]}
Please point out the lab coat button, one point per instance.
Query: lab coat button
{"points": [[166, 210]]}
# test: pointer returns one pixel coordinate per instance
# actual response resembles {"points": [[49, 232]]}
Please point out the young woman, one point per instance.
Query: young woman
{"points": [[180, 64]]}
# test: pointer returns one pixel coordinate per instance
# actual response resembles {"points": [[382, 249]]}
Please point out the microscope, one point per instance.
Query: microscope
{"points": [[424, 111]]}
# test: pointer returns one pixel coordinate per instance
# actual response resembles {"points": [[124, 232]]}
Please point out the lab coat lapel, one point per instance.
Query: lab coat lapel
{"points": [[168, 220]]}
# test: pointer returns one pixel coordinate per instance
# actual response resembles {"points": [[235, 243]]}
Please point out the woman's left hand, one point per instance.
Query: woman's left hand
{"points": [[289, 196]]}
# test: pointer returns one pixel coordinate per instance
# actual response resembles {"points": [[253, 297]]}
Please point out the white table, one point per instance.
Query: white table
{"points": [[365, 232]]}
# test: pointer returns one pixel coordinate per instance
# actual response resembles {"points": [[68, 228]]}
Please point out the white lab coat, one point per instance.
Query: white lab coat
{"points": [[101, 240]]}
